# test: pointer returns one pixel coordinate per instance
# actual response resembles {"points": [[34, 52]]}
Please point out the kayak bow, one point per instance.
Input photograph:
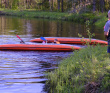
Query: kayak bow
{"points": [[39, 47], [68, 40]]}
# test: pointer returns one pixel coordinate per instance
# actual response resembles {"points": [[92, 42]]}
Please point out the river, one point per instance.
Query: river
{"points": [[24, 71]]}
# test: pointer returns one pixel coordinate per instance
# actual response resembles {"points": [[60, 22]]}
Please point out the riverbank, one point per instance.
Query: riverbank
{"points": [[97, 19], [87, 70]]}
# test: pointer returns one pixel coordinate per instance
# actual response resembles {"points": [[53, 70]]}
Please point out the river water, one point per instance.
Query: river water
{"points": [[24, 71]]}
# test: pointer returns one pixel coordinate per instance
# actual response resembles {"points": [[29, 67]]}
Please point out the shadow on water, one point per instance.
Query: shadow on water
{"points": [[24, 71]]}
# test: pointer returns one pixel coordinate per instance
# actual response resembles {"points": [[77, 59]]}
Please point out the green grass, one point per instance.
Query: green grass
{"points": [[98, 19], [87, 66], [35, 14], [102, 20]]}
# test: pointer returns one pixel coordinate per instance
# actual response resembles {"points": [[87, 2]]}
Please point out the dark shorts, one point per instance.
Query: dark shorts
{"points": [[108, 50]]}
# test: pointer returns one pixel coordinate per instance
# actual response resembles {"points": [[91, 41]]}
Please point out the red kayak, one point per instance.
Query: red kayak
{"points": [[67, 40], [39, 47]]}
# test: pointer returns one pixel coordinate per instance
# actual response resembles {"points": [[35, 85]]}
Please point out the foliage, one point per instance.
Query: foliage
{"points": [[74, 6], [14, 4], [103, 18]]}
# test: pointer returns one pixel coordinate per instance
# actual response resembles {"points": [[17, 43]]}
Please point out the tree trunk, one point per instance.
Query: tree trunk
{"points": [[58, 2], [79, 3], [1, 3], [52, 5], [61, 5], [18, 3], [72, 4], [84, 4], [102, 5], [5, 4], [8, 3], [94, 5], [24, 4], [30, 2]]}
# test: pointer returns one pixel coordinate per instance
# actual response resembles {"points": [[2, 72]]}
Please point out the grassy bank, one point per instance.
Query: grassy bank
{"points": [[98, 19], [87, 70]]}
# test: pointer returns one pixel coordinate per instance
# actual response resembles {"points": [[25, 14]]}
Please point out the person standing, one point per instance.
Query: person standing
{"points": [[107, 31]]}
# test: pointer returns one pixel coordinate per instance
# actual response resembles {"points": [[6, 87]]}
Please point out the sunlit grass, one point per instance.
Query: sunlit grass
{"points": [[75, 72]]}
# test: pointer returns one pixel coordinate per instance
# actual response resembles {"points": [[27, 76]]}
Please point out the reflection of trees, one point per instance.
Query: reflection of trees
{"points": [[41, 27], [7, 24], [58, 30], [4, 25], [1, 25], [28, 27]]}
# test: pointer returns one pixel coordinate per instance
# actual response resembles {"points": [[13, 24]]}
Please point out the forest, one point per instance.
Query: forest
{"points": [[73, 6]]}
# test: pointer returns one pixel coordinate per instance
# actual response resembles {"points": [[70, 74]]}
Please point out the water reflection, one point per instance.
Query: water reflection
{"points": [[40, 27]]}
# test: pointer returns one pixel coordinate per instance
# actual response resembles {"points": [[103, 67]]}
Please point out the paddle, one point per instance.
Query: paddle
{"points": [[43, 38], [20, 39]]}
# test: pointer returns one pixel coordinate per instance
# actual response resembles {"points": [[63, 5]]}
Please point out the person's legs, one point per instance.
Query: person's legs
{"points": [[108, 50]]}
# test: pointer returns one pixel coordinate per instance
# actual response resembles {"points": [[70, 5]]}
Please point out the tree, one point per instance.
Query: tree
{"points": [[62, 5], [5, 4], [15, 4], [102, 5], [94, 5], [58, 3], [1, 3], [51, 4]]}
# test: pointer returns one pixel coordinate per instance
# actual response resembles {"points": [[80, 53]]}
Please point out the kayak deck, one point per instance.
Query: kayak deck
{"points": [[39, 47], [68, 40]]}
